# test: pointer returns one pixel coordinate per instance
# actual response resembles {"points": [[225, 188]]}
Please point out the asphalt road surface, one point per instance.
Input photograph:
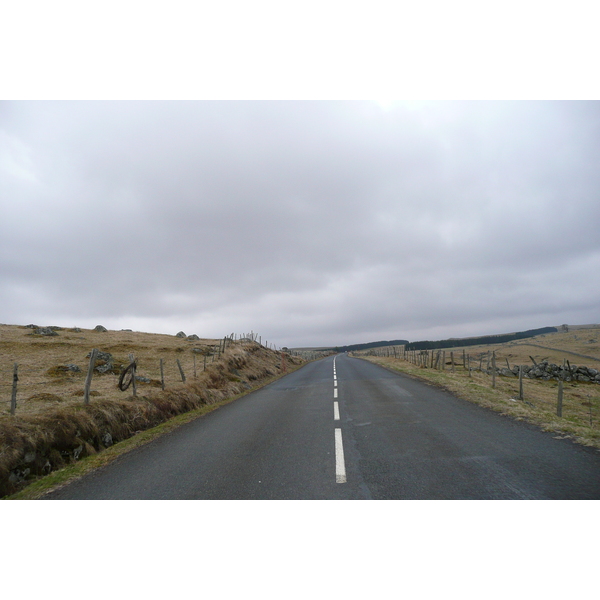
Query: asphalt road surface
{"points": [[344, 428]]}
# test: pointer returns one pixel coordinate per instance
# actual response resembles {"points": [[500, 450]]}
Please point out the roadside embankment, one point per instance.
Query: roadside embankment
{"points": [[35, 445]]}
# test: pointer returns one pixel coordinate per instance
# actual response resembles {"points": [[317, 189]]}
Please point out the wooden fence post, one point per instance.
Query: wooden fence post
{"points": [[13, 398], [520, 382], [162, 375], [133, 369], [181, 371], [452, 360], [494, 369], [469, 364], [560, 399], [88, 379]]}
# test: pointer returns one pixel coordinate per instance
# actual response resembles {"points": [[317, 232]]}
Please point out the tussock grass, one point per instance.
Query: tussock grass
{"points": [[45, 397], [580, 419], [43, 362], [53, 429]]}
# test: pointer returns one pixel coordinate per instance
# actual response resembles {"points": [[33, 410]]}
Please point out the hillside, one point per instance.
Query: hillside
{"points": [[479, 340], [572, 356], [52, 427], [448, 343]]}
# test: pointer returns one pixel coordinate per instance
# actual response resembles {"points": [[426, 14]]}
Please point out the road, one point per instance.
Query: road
{"points": [[344, 428]]}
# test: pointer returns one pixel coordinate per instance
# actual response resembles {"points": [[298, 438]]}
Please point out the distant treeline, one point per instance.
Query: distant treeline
{"points": [[452, 343], [369, 345], [476, 341]]}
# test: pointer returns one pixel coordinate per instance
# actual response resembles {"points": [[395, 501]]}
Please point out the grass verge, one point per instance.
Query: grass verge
{"points": [[581, 402], [57, 479]]}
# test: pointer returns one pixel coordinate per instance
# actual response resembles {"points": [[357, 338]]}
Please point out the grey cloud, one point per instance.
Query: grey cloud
{"points": [[319, 222]]}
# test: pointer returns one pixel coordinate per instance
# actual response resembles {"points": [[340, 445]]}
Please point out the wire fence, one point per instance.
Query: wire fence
{"points": [[34, 381], [567, 390]]}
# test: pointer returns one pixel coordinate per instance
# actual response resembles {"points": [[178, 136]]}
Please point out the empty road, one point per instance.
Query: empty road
{"points": [[343, 428]]}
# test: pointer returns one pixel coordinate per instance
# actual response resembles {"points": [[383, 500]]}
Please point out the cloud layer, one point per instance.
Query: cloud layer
{"points": [[313, 223]]}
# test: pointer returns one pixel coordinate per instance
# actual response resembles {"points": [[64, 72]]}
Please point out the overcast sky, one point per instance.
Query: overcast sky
{"points": [[311, 223]]}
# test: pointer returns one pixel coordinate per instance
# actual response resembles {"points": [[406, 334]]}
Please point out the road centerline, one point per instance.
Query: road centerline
{"points": [[340, 465]]}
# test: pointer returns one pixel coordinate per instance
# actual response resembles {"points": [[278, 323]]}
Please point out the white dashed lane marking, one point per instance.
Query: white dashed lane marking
{"points": [[340, 465]]}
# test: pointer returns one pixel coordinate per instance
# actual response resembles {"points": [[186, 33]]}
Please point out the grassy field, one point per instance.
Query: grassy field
{"points": [[580, 419], [44, 380], [53, 430]]}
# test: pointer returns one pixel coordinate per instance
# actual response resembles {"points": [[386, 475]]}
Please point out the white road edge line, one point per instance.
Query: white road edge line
{"points": [[336, 411], [340, 466]]}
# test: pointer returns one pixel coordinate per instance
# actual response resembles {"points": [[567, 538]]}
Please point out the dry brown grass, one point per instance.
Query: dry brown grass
{"points": [[42, 363], [52, 427], [581, 401], [579, 347]]}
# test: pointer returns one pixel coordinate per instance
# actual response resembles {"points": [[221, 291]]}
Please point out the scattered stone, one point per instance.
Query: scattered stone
{"points": [[547, 371], [100, 328], [16, 475], [44, 331], [193, 337], [77, 451], [142, 379], [180, 335], [105, 359], [32, 326], [107, 439], [74, 368]]}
